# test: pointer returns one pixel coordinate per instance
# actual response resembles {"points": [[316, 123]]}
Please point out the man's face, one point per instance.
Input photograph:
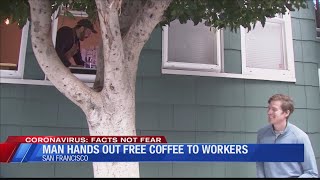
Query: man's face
{"points": [[85, 33], [275, 113]]}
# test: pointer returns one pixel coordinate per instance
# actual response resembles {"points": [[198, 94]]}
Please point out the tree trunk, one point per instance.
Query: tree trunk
{"points": [[120, 123], [111, 110], [115, 117], [116, 169]]}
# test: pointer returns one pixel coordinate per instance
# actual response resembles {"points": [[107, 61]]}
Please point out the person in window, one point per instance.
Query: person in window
{"points": [[68, 42], [280, 131]]}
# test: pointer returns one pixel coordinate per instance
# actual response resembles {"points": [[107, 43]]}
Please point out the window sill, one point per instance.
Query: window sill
{"points": [[229, 75], [82, 70], [8, 66], [30, 82]]}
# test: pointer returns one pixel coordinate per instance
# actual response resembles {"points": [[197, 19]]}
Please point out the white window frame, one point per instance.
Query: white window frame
{"points": [[257, 74], [196, 68], [283, 75], [319, 77], [89, 78], [16, 74]]}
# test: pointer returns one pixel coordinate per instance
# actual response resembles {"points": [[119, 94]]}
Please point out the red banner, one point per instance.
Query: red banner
{"points": [[86, 139], [7, 150]]}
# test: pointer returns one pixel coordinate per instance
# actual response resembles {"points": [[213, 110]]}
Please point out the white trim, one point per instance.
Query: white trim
{"points": [[274, 74], [75, 13], [222, 49], [289, 43], [25, 81], [319, 77], [88, 78], [22, 56], [166, 64], [190, 66], [54, 26], [164, 45], [30, 82], [229, 75]]}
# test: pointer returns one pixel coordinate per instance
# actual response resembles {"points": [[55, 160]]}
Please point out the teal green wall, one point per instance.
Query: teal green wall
{"points": [[185, 109]]}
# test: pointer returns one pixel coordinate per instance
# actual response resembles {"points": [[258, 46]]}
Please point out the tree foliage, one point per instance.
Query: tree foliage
{"points": [[214, 13], [15, 11], [229, 13]]}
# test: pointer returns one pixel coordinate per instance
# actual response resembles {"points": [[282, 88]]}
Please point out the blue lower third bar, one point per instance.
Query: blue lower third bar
{"points": [[163, 152]]}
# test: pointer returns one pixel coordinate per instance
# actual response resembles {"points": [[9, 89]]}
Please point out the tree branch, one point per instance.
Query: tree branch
{"points": [[98, 83], [129, 11], [145, 22], [58, 74], [115, 76], [140, 30]]}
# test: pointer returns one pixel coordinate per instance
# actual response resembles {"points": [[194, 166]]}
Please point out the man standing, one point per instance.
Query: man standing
{"points": [[68, 42], [280, 131]]}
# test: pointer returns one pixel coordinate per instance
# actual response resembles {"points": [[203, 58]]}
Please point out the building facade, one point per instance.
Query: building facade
{"points": [[226, 103]]}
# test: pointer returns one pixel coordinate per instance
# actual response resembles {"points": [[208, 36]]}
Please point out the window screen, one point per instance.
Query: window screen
{"points": [[191, 44], [265, 46]]}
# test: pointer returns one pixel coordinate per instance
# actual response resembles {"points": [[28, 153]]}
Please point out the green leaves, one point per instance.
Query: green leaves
{"points": [[229, 13], [69, 14], [214, 13], [15, 11], [19, 10]]}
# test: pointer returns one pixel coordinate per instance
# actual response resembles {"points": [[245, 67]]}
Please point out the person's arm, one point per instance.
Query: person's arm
{"points": [[72, 62], [77, 56], [60, 46], [64, 46], [69, 55], [309, 164], [259, 165]]}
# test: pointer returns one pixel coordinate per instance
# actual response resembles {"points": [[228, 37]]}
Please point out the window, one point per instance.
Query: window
{"points": [[268, 51], [188, 47], [89, 47], [13, 44]]}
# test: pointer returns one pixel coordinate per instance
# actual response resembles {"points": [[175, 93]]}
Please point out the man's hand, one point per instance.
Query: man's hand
{"points": [[72, 62]]}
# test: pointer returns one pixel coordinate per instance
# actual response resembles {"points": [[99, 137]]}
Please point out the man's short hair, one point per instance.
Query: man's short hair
{"points": [[286, 102], [87, 24]]}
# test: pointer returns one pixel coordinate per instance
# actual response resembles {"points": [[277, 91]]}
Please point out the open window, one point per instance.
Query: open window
{"points": [[193, 48], [13, 44], [89, 47], [268, 51]]}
